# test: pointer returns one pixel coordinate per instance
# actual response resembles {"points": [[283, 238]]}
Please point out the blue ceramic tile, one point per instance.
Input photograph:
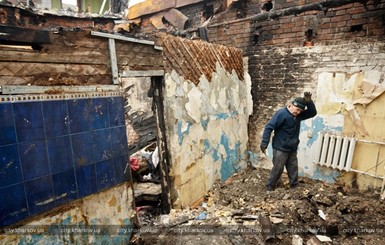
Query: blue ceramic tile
{"points": [[10, 172], [7, 126], [80, 115], [116, 111], [104, 174], [64, 186], [119, 141], [39, 195], [102, 146], [100, 119], [29, 121], [82, 148], [55, 118], [34, 160], [60, 154], [120, 164], [86, 180], [13, 205]]}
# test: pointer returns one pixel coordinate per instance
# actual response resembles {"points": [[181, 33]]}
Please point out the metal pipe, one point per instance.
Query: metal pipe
{"points": [[362, 172], [371, 142], [102, 7]]}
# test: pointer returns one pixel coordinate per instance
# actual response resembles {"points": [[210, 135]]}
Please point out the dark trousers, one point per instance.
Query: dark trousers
{"points": [[283, 159]]}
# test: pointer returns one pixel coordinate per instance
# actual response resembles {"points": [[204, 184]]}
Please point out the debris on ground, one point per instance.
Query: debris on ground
{"points": [[240, 211]]}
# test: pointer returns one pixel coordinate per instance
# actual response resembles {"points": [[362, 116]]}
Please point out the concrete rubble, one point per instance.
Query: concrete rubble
{"points": [[240, 211]]}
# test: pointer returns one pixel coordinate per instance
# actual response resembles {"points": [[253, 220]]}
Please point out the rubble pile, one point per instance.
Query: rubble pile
{"points": [[240, 211]]}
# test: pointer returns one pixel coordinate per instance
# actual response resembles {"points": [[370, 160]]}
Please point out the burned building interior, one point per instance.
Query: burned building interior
{"points": [[140, 121]]}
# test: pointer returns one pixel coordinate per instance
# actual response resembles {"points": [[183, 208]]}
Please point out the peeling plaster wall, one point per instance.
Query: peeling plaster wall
{"points": [[103, 218], [344, 38], [343, 78], [207, 131]]}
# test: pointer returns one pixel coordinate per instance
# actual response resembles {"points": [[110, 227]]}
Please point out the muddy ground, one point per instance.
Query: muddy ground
{"points": [[240, 211]]}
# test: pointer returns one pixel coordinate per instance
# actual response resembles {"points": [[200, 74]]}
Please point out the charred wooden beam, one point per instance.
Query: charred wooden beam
{"points": [[13, 35], [164, 157]]}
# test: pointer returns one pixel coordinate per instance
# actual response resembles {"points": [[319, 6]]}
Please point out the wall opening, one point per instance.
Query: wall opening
{"points": [[308, 38], [267, 6], [208, 11], [356, 28], [148, 156], [241, 9]]}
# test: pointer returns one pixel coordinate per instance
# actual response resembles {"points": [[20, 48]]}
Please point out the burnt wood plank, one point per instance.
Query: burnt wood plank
{"points": [[23, 36]]}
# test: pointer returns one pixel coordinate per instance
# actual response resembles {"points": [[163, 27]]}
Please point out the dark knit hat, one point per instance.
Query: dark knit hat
{"points": [[299, 102]]}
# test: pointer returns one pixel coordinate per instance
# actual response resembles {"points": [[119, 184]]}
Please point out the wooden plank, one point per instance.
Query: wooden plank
{"points": [[86, 57], [56, 79], [139, 63], [13, 73], [77, 40], [31, 69]]}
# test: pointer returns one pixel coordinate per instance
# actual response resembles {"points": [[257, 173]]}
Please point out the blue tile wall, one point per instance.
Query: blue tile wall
{"points": [[7, 125], [55, 151], [55, 114], [10, 170], [13, 204]]}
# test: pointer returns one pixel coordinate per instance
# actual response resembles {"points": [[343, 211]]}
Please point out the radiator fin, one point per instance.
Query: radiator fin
{"points": [[335, 151]]}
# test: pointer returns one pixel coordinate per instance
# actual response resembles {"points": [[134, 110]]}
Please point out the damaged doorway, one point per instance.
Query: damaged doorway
{"points": [[147, 151]]}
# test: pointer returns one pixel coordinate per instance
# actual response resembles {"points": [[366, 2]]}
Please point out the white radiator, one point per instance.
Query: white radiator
{"points": [[335, 151]]}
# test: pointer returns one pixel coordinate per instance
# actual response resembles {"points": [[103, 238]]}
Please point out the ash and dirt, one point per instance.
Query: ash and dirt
{"points": [[240, 211]]}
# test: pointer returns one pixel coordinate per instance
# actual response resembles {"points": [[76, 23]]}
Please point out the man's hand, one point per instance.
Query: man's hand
{"points": [[263, 148], [307, 96]]}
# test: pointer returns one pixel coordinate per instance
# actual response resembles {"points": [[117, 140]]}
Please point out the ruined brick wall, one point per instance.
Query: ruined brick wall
{"points": [[288, 43]]}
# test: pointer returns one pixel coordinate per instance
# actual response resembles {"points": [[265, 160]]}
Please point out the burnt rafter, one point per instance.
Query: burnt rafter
{"points": [[23, 36], [321, 6]]}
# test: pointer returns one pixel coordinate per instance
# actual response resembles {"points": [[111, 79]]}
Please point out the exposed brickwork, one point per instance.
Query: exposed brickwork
{"points": [[279, 65]]}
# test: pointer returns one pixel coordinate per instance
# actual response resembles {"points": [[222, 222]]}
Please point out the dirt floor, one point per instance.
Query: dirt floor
{"points": [[240, 211]]}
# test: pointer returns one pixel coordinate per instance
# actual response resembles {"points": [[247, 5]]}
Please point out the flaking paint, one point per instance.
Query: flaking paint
{"points": [[209, 140]]}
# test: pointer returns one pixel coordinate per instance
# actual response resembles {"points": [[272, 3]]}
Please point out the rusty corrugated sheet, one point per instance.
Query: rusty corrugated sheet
{"points": [[191, 59], [149, 7]]}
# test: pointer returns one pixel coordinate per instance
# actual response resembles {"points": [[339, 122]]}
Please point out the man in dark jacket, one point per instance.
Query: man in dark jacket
{"points": [[286, 124]]}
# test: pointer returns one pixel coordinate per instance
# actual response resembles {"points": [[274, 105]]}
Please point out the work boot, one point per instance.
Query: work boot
{"points": [[280, 183]]}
